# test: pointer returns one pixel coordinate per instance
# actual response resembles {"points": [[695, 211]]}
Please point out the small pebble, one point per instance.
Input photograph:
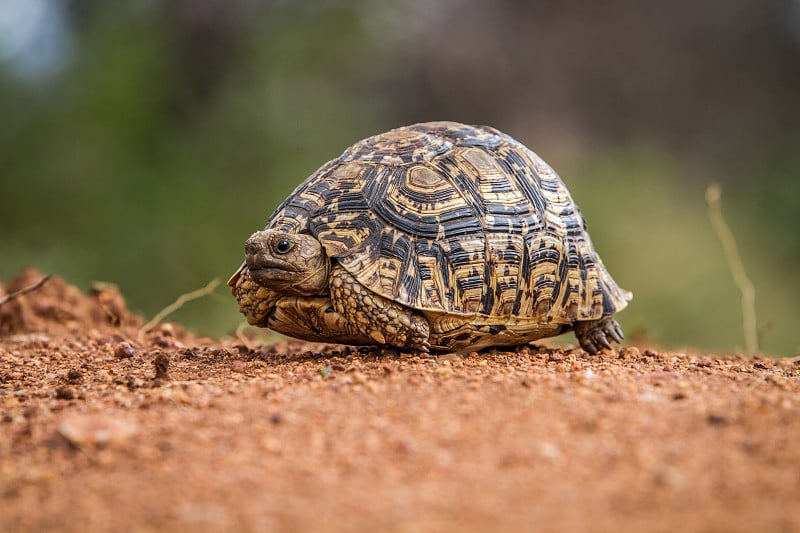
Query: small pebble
{"points": [[74, 376], [717, 419], [97, 429], [161, 364], [123, 350], [629, 352], [444, 371], [64, 393]]}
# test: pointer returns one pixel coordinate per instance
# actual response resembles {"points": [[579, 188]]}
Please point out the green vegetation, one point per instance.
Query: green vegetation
{"points": [[151, 158]]}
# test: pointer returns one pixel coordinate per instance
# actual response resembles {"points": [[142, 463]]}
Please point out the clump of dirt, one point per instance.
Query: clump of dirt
{"points": [[102, 428], [60, 308]]}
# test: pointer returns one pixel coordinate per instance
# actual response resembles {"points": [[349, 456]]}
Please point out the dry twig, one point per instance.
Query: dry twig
{"points": [[177, 304], [30, 288], [723, 231], [239, 334]]}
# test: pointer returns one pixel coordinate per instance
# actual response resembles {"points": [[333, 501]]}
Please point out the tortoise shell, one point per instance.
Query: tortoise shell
{"points": [[459, 220]]}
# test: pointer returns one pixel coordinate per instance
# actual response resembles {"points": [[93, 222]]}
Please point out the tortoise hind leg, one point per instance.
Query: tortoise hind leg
{"points": [[594, 335], [384, 321]]}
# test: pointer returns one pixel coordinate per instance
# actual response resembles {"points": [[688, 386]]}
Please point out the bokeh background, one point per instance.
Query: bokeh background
{"points": [[141, 142]]}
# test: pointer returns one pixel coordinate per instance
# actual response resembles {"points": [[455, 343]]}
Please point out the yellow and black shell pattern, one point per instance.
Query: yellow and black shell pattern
{"points": [[456, 220]]}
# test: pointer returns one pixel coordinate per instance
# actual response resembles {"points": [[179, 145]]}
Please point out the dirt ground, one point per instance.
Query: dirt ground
{"points": [[102, 428]]}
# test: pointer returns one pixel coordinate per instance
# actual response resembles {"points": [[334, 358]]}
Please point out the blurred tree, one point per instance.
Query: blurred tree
{"points": [[170, 131]]}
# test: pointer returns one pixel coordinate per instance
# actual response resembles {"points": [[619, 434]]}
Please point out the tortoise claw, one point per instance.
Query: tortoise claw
{"points": [[593, 335], [614, 331], [589, 346], [603, 340]]}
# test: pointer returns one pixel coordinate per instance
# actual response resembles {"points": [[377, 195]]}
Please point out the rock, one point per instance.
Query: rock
{"points": [[123, 350], [98, 430]]}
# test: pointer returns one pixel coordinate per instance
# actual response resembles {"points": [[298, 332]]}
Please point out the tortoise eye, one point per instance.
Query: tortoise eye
{"points": [[283, 246]]}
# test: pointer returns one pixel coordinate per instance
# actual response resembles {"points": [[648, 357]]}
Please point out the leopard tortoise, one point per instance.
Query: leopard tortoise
{"points": [[436, 236]]}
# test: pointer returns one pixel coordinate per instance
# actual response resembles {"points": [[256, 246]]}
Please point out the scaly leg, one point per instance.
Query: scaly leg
{"points": [[304, 317], [379, 318]]}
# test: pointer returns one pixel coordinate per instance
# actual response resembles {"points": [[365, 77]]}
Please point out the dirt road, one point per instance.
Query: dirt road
{"points": [[103, 429]]}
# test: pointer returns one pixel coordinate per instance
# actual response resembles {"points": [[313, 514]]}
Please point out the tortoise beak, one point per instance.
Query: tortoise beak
{"points": [[261, 262]]}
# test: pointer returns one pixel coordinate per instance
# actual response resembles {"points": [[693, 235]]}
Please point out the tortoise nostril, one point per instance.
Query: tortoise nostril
{"points": [[252, 246]]}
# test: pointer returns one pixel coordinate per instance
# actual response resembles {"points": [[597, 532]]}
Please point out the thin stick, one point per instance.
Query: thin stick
{"points": [[24, 290], [239, 334], [723, 231], [177, 304]]}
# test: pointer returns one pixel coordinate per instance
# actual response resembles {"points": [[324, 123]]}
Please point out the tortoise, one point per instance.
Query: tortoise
{"points": [[435, 236]]}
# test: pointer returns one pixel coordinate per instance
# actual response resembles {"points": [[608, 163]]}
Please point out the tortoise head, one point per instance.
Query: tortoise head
{"points": [[288, 263]]}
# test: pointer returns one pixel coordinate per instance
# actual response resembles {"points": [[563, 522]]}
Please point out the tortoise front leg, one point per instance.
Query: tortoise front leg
{"points": [[379, 318], [593, 335], [311, 318]]}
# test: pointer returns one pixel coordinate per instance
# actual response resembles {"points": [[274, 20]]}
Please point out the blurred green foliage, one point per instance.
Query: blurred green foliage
{"points": [[164, 142]]}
